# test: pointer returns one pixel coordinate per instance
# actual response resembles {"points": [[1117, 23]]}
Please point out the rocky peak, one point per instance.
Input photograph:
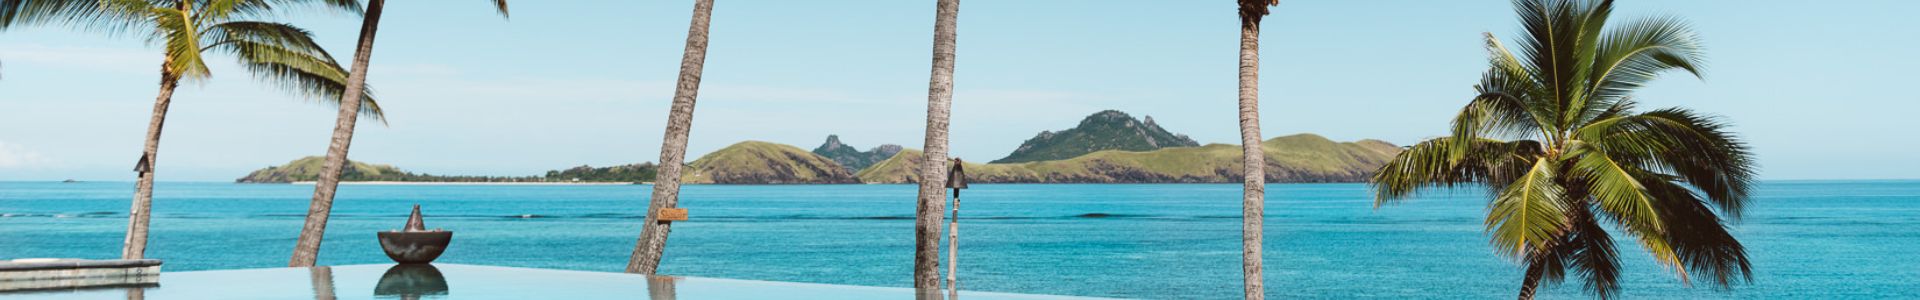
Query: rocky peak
{"points": [[852, 159], [833, 144]]}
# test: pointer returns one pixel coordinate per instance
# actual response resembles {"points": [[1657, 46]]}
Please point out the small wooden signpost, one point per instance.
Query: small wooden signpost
{"points": [[671, 214]]}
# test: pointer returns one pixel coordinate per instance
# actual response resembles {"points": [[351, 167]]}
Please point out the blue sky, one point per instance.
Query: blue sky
{"points": [[1819, 88]]}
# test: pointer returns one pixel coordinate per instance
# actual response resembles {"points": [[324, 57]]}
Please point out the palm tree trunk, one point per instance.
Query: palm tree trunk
{"points": [[661, 288], [673, 148], [307, 249], [1534, 271], [933, 167], [1253, 199], [142, 210]]}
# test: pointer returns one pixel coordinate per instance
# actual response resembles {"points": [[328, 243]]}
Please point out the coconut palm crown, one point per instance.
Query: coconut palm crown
{"points": [[1555, 137], [278, 53]]}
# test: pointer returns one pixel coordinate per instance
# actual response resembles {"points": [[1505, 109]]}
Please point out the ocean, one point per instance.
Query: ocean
{"points": [[1807, 239]]}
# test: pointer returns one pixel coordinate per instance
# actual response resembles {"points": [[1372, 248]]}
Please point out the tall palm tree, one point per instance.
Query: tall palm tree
{"points": [[1253, 159], [306, 250], [933, 167], [673, 148], [188, 30], [1555, 138]]}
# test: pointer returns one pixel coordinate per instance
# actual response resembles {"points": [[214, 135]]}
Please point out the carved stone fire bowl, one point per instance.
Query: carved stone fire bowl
{"points": [[415, 244]]}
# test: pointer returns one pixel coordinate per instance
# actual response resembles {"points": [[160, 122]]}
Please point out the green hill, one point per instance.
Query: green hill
{"points": [[1105, 130], [756, 162], [853, 159], [1294, 158], [308, 169]]}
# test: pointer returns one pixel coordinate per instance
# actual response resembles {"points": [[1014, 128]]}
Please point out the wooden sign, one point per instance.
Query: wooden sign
{"points": [[671, 214]]}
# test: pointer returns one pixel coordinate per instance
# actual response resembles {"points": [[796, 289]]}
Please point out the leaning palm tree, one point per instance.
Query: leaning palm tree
{"points": [[673, 148], [933, 167], [188, 30], [1555, 137], [1253, 158], [306, 249]]}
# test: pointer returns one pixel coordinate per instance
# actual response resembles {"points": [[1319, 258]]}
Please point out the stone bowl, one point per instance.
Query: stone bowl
{"points": [[414, 247]]}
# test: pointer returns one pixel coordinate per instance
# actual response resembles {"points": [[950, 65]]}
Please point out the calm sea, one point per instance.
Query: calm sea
{"points": [[1812, 239]]}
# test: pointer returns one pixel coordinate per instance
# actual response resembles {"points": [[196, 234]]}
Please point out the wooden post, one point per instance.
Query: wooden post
{"points": [[953, 245], [956, 180]]}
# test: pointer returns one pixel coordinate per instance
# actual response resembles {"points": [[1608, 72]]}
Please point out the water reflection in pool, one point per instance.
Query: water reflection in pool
{"points": [[455, 281]]}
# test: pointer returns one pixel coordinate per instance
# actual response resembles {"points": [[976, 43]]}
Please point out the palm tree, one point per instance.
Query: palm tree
{"points": [[1555, 138], [1254, 161], [673, 148], [188, 30], [306, 250], [933, 168]]}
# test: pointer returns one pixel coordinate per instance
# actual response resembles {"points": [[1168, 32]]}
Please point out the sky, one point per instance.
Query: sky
{"points": [[1820, 89]]}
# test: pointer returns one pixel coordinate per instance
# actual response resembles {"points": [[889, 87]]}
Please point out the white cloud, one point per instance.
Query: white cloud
{"points": [[16, 156], [405, 70], [91, 58]]}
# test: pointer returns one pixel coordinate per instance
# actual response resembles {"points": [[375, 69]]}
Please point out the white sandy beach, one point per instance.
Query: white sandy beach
{"points": [[471, 183]]}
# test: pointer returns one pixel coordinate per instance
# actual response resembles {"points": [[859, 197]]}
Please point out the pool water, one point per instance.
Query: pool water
{"points": [[455, 281]]}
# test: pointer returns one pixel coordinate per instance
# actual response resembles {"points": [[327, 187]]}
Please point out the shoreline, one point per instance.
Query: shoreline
{"points": [[465, 183]]}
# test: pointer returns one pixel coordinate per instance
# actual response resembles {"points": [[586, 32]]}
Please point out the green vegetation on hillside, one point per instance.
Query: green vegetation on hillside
{"points": [[1106, 130], [1295, 158], [308, 169], [640, 172], [756, 162]]}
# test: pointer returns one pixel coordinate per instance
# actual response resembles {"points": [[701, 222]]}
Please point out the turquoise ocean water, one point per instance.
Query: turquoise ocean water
{"points": [[1807, 239]]}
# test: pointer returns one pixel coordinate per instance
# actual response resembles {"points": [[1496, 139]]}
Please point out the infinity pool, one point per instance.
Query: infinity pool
{"points": [[453, 281]]}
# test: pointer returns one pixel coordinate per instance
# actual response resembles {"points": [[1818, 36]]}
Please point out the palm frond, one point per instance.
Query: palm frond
{"points": [[1423, 165], [1429, 164], [1632, 55], [1696, 148], [1592, 17], [1528, 215], [1508, 101], [105, 16], [1591, 253], [224, 10], [1503, 109], [1549, 33], [180, 38], [287, 56], [1613, 186], [501, 5], [1699, 239]]}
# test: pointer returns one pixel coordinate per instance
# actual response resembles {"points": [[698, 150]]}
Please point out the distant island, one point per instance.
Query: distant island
{"points": [[1106, 147], [1294, 158], [308, 169]]}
